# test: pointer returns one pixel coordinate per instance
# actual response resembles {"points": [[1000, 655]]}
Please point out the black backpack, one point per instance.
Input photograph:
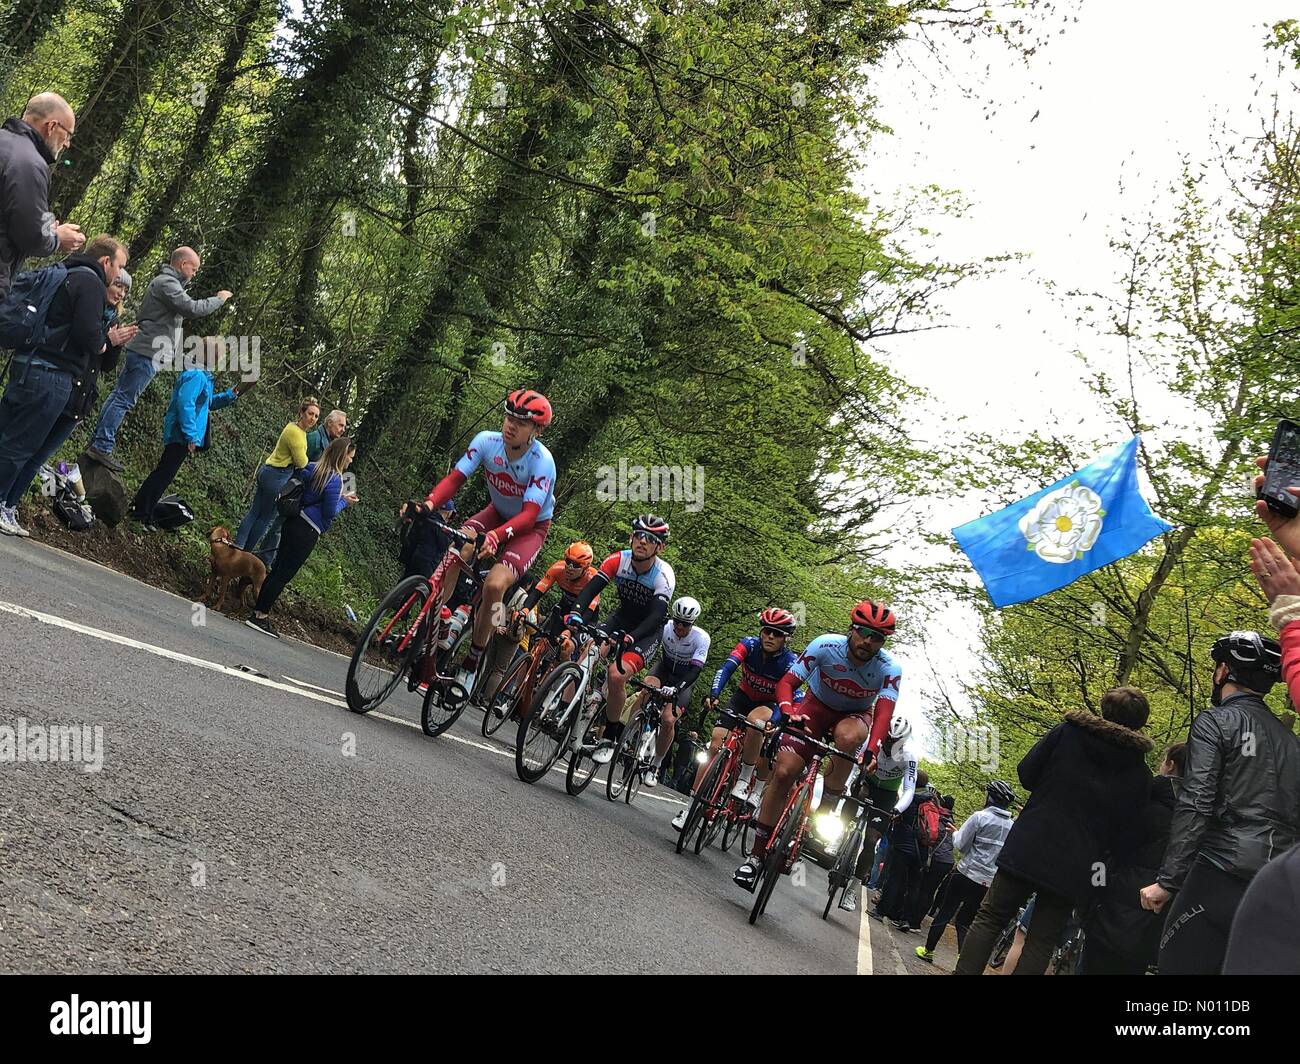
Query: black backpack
{"points": [[68, 508], [171, 513], [291, 498]]}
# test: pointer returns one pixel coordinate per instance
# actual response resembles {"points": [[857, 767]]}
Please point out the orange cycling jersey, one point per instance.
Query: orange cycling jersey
{"points": [[570, 585]]}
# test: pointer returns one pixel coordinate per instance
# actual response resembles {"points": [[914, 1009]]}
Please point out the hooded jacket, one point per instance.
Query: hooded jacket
{"points": [[25, 162], [1239, 805], [980, 840], [163, 308], [1088, 782]]}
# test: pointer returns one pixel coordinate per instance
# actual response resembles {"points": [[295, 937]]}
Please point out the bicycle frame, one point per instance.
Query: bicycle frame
{"points": [[803, 785]]}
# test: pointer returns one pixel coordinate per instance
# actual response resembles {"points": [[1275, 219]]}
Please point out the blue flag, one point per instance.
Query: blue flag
{"points": [[1082, 522]]}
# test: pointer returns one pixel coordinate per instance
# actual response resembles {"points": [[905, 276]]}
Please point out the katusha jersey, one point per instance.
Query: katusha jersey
{"points": [[681, 654], [759, 671], [511, 484], [843, 686]]}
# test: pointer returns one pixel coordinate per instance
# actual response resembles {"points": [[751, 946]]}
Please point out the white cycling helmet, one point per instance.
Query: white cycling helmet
{"points": [[899, 726], [686, 610]]}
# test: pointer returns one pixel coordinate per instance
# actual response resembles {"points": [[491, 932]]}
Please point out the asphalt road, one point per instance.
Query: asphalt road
{"points": [[251, 823]]}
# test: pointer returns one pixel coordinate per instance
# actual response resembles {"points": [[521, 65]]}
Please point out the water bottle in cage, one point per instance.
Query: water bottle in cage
{"points": [[444, 628], [457, 623]]}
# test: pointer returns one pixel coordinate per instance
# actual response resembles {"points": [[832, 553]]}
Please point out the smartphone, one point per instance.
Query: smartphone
{"points": [[1283, 470]]}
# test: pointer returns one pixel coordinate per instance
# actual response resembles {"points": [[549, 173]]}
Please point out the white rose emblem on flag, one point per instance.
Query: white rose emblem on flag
{"points": [[1064, 524]]}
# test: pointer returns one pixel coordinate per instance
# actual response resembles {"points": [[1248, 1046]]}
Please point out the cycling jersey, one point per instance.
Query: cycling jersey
{"points": [[896, 771], [687, 652], [570, 586], [511, 485], [759, 670], [842, 685], [642, 597]]}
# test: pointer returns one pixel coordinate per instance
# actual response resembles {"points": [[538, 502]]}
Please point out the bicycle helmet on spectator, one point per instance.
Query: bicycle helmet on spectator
{"points": [[1000, 794], [1253, 661]]}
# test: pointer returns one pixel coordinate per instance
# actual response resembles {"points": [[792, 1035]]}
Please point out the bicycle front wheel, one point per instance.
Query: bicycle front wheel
{"points": [[778, 853], [700, 804], [544, 731], [842, 870], [378, 660]]}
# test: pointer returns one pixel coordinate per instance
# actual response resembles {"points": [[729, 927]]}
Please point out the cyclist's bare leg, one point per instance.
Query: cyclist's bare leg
{"points": [[452, 577], [754, 739], [489, 614], [667, 727], [616, 691], [849, 736], [787, 768]]}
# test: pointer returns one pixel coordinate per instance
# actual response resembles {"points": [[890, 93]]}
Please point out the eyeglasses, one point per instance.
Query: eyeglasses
{"points": [[64, 128], [646, 537], [569, 563], [869, 633], [773, 632]]}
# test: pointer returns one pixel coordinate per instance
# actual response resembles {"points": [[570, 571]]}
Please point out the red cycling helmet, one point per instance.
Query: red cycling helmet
{"points": [[777, 619], [530, 406], [867, 614]]}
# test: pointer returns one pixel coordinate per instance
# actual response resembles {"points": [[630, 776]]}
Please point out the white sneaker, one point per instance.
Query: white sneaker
{"points": [[604, 754], [465, 677], [652, 778], [679, 821], [9, 525], [755, 797]]}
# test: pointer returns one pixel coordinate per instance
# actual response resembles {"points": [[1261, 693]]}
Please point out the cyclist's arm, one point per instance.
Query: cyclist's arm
{"points": [[653, 621], [690, 675], [729, 666], [543, 585], [883, 711], [522, 522], [785, 688], [907, 788], [594, 586], [446, 488]]}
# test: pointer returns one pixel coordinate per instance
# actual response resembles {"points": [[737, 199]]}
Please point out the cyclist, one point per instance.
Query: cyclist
{"points": [[852, 689], [644, 583], [889, 782], [1237, 809], [570, 574], [685, 648], [762, 660], [520, 475]]}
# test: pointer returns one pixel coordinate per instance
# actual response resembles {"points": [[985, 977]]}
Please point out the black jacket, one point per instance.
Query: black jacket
{"points": [[904, 836], [423, 544], [25, 163], [77, 339], [1265, 938], [1239, 805], [1088, 782], [1118, 920]]}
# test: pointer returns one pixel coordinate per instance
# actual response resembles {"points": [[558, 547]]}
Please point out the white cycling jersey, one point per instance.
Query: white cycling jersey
{"points": [[692, 649], [896, 768]]}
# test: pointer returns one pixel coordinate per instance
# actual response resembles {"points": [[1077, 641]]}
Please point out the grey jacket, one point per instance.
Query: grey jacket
{"points": [[25, 229], [980, 841], [164, 307]]}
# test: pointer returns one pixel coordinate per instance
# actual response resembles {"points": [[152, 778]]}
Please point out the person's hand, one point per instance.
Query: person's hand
{"points": [[1275, 572], [121, 334], [191, 446], [224, 295], [1286, 530], [871, 765], [352, 500], [1154, 897], [490, 544], [70, 237], [241, 387], [710, 704]]}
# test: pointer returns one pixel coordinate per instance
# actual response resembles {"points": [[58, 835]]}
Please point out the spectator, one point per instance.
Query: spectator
{"points": [[1123, 938], [159, 343], [329, 430], [29, 146], [52, 387], [187, 427], [903, 882], [1088, 781], [940, 861], [323, 500], [423, 543], [287, 457], [1239, 804], [980, 841], [1265, 937]]}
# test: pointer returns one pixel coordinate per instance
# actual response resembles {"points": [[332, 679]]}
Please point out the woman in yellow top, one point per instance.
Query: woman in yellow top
{"points": [[290, 454]]}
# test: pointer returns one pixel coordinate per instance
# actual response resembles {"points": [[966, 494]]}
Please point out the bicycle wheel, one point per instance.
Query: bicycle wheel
{"points": [[623, 765], [639, 767], [444, 702], [776, 857], [1002, 944], [736, 821], [503, 702], [582, 769], [544, 731], [377, 665], [842, 870], [701, 802]]}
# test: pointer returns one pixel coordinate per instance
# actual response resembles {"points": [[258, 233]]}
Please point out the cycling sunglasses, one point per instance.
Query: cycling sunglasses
{"points": [[774, 631], [647, 537], [869, 633]]}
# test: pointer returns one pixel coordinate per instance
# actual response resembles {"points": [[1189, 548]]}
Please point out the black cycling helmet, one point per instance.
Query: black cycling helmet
{"points": [[1000, 794], [653, 525], [1253, 661]]}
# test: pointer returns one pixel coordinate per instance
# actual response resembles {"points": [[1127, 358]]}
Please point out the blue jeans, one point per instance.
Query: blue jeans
{"points": [[133, 378], [32, 424], [882, 849], [270, 481]]}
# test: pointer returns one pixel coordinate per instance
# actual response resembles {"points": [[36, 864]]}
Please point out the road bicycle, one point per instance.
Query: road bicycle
{"points": [[566, 713], [713, 806], [635, 754], [523, 675], [402, 630], [846, 857]]}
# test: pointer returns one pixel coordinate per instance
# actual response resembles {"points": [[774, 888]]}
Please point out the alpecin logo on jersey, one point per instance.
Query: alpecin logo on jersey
{"points": [[505, 484], [848, 688]]}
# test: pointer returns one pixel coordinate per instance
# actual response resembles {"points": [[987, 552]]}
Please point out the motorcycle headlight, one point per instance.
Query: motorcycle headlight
{"points": [[829, 827]]}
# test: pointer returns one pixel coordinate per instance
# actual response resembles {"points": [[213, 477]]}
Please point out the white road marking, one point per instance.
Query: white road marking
{"points": [[304, 683], [173, 655], [864, 934]]}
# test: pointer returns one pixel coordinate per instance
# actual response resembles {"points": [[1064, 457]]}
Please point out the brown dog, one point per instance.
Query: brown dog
{"points": [[232, 565]]}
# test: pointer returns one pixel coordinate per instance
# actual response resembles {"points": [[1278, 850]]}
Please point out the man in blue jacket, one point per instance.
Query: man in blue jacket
{"points": [[185, 428]]}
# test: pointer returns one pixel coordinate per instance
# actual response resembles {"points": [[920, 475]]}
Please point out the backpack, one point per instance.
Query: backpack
{"points": [[24, 310], [170, 513], [929, 827], [104, 491], [291, 498], [66, 503]]}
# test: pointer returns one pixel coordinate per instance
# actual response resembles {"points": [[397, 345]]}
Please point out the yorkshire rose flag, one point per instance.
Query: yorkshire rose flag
{"points": [[1082, 522]]}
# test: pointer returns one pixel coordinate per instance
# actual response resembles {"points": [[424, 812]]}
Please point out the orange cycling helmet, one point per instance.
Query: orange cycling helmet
{"points": [[579, 553], [867, 614], [529, 406]]}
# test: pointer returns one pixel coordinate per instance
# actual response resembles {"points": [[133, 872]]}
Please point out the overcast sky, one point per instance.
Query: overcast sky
{"points": [[1123, 96]]}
